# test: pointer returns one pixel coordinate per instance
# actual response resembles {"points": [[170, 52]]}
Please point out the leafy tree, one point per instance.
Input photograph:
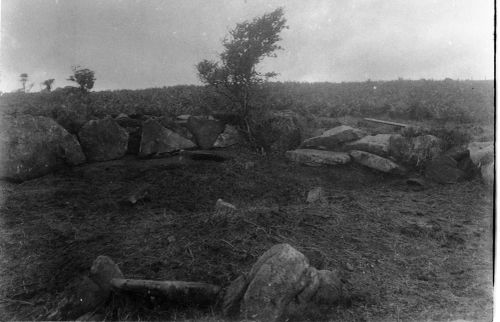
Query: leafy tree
{"points": [[48, 84], [24, 79], [84, 77], [236, 76]]}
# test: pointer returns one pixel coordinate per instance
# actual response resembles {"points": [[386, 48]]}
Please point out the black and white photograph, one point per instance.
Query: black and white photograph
{"points": [[247, 160]]}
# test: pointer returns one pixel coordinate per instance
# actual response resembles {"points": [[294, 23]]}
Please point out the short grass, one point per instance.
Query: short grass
{"points": [[406, 253]]}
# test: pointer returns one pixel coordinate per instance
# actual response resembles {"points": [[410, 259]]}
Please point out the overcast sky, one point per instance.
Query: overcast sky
{"points": [[139, 44]]}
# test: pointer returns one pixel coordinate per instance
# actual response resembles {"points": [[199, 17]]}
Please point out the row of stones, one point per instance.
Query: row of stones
{"points": [[342, 144], [32, 146]]}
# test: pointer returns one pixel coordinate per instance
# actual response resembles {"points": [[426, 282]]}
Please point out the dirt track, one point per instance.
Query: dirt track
{"points": [[408, 253]]}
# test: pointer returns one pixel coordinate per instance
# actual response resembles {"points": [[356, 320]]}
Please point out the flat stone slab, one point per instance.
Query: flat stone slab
{"points": [[377, 144], [317, 157], [333, 138], [376, 162]]}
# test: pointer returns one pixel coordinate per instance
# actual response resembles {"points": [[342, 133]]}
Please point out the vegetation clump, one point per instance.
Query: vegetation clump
{"points": [[84, 77], [236, 76]]}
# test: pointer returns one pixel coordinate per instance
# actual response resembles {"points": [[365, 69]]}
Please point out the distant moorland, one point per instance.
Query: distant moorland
{"points": [[448, 100]]}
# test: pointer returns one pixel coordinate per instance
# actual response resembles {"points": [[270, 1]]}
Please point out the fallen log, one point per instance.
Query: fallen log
{"points": [[171, 291], [386, 122]]}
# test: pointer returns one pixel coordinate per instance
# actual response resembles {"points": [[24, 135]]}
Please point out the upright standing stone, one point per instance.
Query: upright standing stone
{"points": [[276, 278], [103, 139], [156, 139], [204, 130]]}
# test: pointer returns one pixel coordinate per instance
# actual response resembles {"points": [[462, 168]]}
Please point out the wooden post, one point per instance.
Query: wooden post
{"points": [[386, 122]]}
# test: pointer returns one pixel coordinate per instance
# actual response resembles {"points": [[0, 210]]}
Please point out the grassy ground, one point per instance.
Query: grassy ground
{"points": [[408, 253]]}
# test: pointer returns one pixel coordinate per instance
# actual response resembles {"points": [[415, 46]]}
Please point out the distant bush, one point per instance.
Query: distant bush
{"points": [[84, 77]]}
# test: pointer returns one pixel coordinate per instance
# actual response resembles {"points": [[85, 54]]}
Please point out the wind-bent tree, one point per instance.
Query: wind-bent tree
{"points": [[84, 77], [48, 84], [235, 76], [23, 79]]}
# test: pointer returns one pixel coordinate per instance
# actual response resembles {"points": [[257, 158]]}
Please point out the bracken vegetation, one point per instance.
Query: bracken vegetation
{"points": [[448, 100]]}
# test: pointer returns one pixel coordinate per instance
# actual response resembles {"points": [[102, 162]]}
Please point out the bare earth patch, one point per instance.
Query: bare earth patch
{"points": [[405, 252]]}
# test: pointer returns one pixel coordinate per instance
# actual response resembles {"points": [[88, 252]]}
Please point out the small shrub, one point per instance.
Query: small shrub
{"points": [[451, 137]]}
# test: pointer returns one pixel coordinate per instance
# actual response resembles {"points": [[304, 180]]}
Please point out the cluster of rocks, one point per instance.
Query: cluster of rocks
{"points": [[280, 283], [396, 153], [32, 146]]}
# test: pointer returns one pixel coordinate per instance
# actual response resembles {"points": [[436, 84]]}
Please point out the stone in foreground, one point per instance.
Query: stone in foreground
{"points": [[376, 162], [32, 146], [224, 209], [275, 279], [317, 157], [333, 138], [376, 144], [280, 283], [103, 140], [316, 195]]}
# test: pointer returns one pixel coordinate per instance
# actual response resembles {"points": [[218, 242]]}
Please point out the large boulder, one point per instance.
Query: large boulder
{"points": [[156, 139], [481, 152], [444, 169], [317, 157], [229, 137], [32, 146], [415, 151], [488, 173], [277, 277], [280, 283], [333, 138], [377, 162], [204, 130], [103, 139], [375, 144]]}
